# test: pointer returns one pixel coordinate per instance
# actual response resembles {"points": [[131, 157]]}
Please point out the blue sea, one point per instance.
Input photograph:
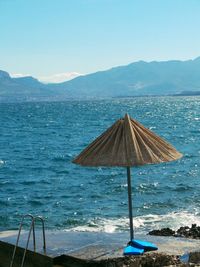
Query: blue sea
{"points": [[38, 142]]}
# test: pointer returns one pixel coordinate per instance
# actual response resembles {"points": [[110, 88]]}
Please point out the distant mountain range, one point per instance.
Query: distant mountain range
{"points": [[136, 79]]}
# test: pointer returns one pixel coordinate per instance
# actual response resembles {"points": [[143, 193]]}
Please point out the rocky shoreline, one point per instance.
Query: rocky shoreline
{"points": [[146, 260], [150, 259], [72, 249], [184, 231]]}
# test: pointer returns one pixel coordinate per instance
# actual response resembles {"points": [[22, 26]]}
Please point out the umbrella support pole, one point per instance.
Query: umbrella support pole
{"points": [[130, 203]]}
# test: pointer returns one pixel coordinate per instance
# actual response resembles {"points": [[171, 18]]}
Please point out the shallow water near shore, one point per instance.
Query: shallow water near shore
{"points": [[39, 140]]}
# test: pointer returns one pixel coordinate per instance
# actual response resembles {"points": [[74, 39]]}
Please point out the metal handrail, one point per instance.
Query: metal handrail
{"points": [[32, 227], [20, 228], [29, 234], [43, 232]]}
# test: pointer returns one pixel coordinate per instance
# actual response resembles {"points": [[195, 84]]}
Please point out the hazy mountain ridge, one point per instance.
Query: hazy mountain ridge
{"points": [[139, 78], [23, 88]]}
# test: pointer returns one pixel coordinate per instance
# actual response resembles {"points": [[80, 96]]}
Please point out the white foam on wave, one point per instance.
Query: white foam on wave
{"points": [[145, 223], [2, 162], [9, 233], [102, 225], [172, 220]]}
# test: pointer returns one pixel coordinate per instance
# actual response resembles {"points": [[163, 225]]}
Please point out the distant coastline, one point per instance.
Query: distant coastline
{"points": [[185, 93], [163, 78], [189, 93], [59, 99]]}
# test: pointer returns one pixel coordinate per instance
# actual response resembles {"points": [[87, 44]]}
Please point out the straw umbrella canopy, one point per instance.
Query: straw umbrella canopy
{"points": [[127, 143]]}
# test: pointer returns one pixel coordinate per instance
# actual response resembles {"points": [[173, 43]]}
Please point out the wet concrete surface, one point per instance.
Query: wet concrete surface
{"points": [[91, 245]]}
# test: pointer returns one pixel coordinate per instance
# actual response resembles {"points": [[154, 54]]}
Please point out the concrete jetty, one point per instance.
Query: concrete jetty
{"points": [[84, 247]]}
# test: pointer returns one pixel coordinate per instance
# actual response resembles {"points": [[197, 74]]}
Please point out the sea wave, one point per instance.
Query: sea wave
{"points": [[2, 162], [37, 174], [143, 224]]}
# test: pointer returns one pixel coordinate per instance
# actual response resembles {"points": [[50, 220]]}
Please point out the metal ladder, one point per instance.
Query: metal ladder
{"points": [[32, 228]]}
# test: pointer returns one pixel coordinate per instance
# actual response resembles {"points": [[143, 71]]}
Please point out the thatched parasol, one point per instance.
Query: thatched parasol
{"points": [[127, 143]]}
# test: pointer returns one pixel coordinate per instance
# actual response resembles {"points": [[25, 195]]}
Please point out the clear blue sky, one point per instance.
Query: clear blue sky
{"points": [[43, 37]]}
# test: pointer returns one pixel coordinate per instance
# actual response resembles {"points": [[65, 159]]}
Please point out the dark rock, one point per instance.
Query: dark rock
{"points": [[158, 260], [69, 261], [194, 257], [163, 232], [193, 232], [146, 260], [184, 231]]}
